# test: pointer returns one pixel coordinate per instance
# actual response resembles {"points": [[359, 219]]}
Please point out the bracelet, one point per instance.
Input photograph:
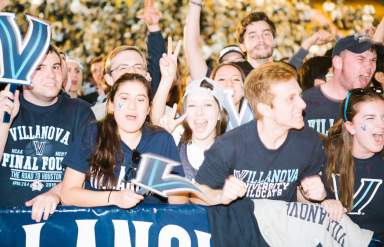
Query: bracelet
{"points": [[109, 195], [196, 3]]}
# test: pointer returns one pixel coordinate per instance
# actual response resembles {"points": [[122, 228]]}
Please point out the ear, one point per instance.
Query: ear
{"points": [[264, 109], [350, 127], [337, 63], [108, 79], [379, 76]]}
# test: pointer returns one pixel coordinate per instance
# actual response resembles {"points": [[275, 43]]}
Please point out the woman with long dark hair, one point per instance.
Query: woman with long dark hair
{"points": [[355, 164], [106, 157]]}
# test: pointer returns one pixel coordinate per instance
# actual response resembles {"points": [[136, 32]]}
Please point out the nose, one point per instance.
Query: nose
{"points": [[131, 104], [302, 103], [199, 111]]}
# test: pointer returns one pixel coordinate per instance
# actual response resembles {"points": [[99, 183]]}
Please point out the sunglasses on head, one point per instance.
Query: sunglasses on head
{"points": [[134, 164], [356, 93]]}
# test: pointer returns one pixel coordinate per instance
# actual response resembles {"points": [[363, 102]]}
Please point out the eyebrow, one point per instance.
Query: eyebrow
{"points": [[144, 95]]}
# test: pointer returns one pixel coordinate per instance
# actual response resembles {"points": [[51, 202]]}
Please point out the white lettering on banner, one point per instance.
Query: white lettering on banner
{"points": [[122, 235], [32, 234], [203, 238], [86, 234], [169, 232]]}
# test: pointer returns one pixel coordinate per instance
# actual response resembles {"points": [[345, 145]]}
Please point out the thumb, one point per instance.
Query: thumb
{"points": [[180, 119], [30, 202]]}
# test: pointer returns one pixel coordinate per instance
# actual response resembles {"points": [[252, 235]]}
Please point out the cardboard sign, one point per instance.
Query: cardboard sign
{"points": [[154, 174]]}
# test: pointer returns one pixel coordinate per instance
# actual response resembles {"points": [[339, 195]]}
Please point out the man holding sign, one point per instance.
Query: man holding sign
{"points": [[42, 126]]}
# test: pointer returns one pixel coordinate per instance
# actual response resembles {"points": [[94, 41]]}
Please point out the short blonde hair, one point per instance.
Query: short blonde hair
{"points": [[257, 86]]}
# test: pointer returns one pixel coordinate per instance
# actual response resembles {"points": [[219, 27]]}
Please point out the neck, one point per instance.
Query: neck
{"points": [[73, 94], [360, 153], [203, 144], [333, 89], [131, 139], [257, 62], [271, 134], [39, 101]]}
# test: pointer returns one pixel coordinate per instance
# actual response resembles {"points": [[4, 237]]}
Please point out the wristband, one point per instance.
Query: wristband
{"points": [[196, 3]]}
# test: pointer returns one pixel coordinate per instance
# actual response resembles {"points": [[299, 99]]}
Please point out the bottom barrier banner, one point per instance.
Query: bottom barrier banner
{"points": [[144, 225]]}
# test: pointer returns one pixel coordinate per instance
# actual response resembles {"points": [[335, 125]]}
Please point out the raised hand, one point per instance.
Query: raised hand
{"points": [[3, 4], [168, 62], [9, 102], [169, 121], [150, 15], [319, 38]]}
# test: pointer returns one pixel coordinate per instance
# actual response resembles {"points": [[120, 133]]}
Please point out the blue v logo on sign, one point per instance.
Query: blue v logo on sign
{"points": [[19, 58]]}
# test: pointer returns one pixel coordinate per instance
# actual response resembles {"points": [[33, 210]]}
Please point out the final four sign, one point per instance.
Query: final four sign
{"points": [[19, 58]]}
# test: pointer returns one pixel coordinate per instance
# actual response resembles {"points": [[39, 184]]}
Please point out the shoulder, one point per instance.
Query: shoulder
{"points": [[241, 132], [155, 133], [311, 92], [306, 136]]}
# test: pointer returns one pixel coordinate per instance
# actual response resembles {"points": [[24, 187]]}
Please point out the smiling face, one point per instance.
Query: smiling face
{"points": [[287, 105], [47, 81], [229, 77], [367, 128], [202, 115], [130, 106], [258, 40]]}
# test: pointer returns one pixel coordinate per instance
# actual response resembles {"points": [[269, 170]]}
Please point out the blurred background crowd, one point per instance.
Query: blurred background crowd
{"points": [[85, 29]]}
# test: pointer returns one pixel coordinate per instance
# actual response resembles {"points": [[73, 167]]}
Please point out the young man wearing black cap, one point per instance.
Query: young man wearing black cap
{"points": [[353, 65]]}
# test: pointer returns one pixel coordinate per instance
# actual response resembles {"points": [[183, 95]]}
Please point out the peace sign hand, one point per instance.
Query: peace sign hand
{"points": [[168, 63]]}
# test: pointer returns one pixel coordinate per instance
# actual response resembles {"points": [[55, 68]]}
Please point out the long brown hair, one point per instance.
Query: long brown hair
{"points": [[107, 152], [338, 147]]}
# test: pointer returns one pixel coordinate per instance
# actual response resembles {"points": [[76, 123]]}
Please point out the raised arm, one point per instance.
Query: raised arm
{"points": [[379, 33], [155, 42], [168, 67], [193, 53]]}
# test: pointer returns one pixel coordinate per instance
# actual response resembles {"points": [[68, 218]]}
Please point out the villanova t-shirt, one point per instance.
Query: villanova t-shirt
{"points": [[321, 112], [268, 174], [37, 143]]}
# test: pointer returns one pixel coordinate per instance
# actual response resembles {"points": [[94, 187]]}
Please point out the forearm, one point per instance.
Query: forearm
{"points": [[85, 198], [160, 100], [194, 56], [379, 34], [156, 48]]}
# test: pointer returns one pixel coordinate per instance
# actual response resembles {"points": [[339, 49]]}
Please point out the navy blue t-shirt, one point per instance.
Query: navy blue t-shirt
{"points": [[268, 174], [155, 141], [38, 141], [368, 200], [321, 112]]}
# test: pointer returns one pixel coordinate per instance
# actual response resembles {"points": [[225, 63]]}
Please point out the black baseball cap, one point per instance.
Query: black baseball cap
{"points": [[356, 43]]}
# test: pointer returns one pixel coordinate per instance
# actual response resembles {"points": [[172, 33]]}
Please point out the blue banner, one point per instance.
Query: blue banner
{"points": [[144, 225]]}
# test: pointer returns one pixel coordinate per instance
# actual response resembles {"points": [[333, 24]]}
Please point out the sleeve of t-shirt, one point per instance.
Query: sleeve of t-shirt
{"points": [[156, 48], [81, 149], [216, 166], [298, 58], [317, 159]]}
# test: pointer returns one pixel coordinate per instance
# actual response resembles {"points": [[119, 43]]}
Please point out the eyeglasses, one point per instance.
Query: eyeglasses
{"points": [[131, 170], [127, 67], [357, 92]]}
